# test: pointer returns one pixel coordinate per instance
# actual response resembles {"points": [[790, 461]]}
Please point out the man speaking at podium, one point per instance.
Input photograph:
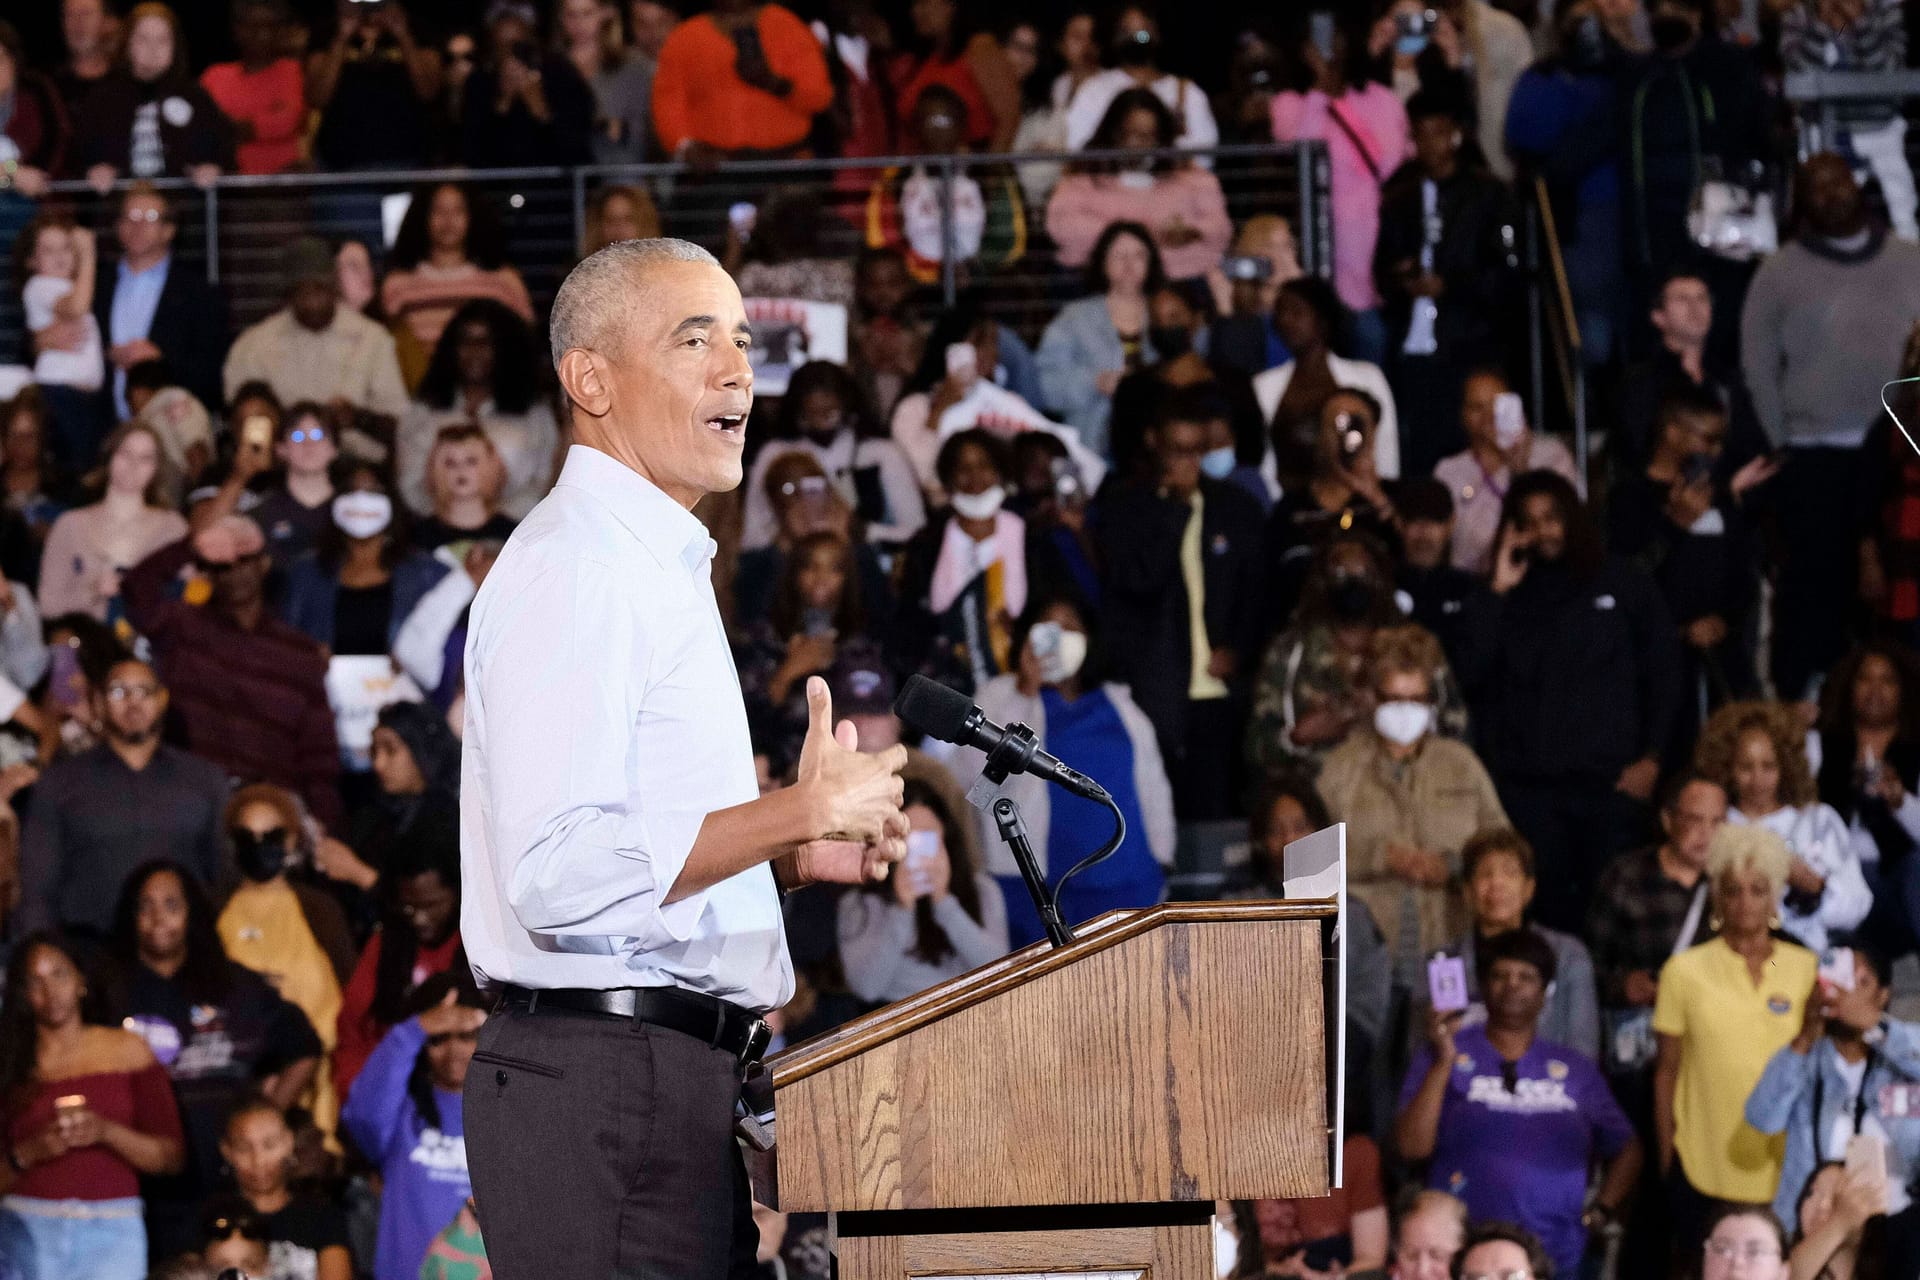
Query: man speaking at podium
{"points": [[618, 863]]}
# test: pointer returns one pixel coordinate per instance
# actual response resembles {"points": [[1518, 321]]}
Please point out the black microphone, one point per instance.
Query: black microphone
{"points": [[943, 713]]}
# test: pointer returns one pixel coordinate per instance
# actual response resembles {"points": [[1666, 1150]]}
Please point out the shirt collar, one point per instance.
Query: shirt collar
{"points": [[663, 526], [157, 271]]}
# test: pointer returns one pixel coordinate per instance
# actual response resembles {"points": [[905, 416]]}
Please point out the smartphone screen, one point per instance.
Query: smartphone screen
{"points": [[1867, 1154], [922, 847], [1447, 983], [1509, 419], [257, 432]]}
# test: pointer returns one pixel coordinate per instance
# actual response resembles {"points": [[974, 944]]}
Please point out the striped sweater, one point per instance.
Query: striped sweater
{"points": [[1874, 41]]}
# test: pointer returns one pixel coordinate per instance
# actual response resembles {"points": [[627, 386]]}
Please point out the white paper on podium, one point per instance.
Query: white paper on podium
{"points": [[1315, 866]]}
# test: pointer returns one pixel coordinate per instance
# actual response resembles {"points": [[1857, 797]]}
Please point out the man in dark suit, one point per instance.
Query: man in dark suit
{"points": [[1182, 562], [153, 307]]}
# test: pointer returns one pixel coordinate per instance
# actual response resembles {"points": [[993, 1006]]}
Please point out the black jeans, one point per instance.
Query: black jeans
{"points": [[1576, 826], [1207, 771], [1815, 500], [601, 1147]]}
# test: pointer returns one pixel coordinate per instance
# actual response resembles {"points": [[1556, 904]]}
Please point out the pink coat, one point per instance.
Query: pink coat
{"points": [[1083, 204], [1374, 114]]}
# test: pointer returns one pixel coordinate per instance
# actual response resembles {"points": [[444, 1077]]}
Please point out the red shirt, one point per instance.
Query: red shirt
{"points": [[273, 99], [359, 1030], [141, 1100]]}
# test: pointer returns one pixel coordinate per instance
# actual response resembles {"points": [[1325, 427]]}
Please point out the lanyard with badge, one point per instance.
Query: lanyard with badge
{"points": [[1630, 1040]]}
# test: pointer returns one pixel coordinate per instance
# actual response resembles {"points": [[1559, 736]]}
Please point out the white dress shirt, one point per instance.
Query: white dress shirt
{"points": [[604, 722]]}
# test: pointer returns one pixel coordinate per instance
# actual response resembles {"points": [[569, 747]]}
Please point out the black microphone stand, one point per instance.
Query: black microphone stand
{"points": [[1011, 753]]}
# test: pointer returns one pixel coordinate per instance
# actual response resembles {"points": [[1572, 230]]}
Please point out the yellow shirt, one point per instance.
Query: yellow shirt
{"points": [[1728, 1029], [264, 929], [1193, 571]]}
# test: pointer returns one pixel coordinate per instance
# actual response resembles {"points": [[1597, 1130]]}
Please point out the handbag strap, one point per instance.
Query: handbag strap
{"points": [[1357, 136]]}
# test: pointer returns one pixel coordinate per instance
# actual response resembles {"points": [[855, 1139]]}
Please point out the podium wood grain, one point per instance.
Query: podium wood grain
{"points": [[1174, 1054]]}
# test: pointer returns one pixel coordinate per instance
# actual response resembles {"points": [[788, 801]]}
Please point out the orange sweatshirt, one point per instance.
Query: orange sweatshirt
{"points": [[697, 94]]}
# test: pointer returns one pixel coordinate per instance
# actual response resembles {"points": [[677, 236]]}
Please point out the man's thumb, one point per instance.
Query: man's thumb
{"points": [[819, 707]]}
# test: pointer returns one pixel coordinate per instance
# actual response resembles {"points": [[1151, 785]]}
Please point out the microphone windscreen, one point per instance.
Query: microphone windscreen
{"points": [[933, 709]]}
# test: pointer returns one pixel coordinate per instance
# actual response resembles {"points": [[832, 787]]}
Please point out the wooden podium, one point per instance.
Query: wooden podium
{"points": [[1072, 1110]]}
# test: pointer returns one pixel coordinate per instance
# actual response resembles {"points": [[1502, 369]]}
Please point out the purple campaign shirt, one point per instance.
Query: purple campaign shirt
{"points": [[1522, 1156]]}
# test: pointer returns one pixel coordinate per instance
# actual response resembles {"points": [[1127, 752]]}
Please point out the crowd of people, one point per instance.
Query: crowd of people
{"points": [[1627, 745]]}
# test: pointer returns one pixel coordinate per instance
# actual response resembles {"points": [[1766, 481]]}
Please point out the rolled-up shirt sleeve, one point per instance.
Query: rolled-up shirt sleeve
{"points": [[576, 856]]}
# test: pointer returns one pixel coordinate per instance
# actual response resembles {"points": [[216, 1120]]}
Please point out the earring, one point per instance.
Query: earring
{"points": [[1713, 922], [1773, 921]]}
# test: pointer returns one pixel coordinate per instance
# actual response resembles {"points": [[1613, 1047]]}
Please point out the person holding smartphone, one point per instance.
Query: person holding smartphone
{"points": [[1690, 530], [1852, 1071], [1570, 662], [933, 918], [1514, 1120], [88, 1112], [524, 105], [1500, 445]]}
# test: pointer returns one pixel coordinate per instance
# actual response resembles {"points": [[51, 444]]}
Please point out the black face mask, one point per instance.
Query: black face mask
{"points": [[1171, 341], [261, 857], [1352, 597], [1671, 33]]}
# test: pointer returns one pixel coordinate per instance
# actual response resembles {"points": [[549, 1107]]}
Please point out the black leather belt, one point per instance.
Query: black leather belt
{"points": [[720, 1023]]}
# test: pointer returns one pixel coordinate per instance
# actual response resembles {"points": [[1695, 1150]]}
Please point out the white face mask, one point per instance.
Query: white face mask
{"points": [[363, 515], [1403, 723], [979, 506], [1061, 652]]}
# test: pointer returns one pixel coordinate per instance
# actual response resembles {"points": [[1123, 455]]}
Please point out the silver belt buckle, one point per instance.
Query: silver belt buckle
{"points": [[759, 1036]]}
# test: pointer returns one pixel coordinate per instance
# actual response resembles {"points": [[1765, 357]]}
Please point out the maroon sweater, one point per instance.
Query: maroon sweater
{"points": [[253, 701]]}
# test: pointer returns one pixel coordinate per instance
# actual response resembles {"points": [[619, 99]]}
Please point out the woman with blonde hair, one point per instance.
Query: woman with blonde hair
{"points": [[465, 480], [1757, 752], [619, 211], [1725, 1008], [89, 547]]}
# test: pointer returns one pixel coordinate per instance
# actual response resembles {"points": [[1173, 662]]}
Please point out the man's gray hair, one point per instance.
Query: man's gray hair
{"points": [[594, 299]]}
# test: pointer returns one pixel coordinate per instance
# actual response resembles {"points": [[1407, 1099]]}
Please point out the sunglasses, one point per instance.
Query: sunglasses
{"points": [[304, 435], [227, 1226], [240, 835]]}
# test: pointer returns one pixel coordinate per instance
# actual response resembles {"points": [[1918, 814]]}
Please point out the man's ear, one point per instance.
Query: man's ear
{"points": [[585, 382]]}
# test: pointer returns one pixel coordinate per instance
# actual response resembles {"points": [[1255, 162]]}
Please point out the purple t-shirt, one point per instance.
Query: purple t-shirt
{"points": [[1522, 1156]]}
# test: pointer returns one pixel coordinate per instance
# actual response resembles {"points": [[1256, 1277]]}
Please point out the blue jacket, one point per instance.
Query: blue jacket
{"points": [[312, 593], [422, 1160], [1783, 1101], [1077, 347]]}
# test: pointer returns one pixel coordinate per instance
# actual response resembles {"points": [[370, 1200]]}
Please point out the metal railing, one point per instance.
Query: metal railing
{"points": [[1555, 325], [234, 227], [1818, 95]]}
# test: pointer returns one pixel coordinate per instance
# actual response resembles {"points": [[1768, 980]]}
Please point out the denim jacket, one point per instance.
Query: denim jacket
{"points": [[1784, 1097]]}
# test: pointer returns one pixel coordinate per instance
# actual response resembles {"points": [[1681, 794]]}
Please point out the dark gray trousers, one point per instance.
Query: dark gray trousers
{"points": [[603, 1148]]}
